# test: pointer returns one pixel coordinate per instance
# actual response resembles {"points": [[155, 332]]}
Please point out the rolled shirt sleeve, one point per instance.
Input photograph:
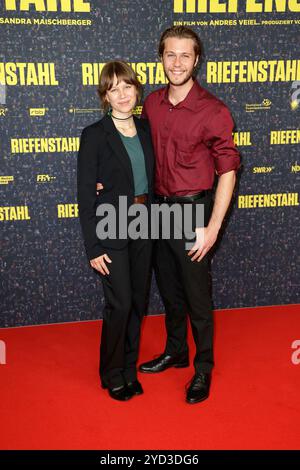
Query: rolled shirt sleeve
{"points": [[218, 137]]}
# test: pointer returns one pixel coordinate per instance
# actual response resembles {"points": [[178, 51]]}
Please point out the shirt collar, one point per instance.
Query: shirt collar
{"points": [[189, 102]]}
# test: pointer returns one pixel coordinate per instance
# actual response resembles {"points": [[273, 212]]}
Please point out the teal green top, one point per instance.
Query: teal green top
{"points": [[137, 158]]}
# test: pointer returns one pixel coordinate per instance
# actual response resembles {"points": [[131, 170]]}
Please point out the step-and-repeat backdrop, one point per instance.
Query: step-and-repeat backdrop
{"points": [[51, 53]]}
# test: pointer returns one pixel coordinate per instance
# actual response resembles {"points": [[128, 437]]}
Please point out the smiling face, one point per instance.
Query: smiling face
{"points": [[122, 97], [179, 60]]}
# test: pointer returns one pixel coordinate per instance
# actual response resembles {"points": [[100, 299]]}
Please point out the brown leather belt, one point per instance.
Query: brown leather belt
{"points": [[140, 199], [182, 199]]}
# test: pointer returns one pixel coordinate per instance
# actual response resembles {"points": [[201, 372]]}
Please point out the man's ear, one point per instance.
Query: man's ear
{"points": [[196, 61]]}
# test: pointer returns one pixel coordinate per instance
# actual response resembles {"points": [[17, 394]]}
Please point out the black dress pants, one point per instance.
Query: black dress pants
{"points": [[185, 287], [125, 291]]}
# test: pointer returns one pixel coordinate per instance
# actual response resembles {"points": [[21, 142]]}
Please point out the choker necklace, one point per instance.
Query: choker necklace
{"points": [[120, 119]]}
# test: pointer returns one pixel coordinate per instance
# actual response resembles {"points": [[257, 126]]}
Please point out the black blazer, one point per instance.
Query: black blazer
{"points": [[103, 158]]}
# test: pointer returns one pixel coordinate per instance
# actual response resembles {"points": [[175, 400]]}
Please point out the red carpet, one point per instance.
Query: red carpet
{"points": [[50, 396]]}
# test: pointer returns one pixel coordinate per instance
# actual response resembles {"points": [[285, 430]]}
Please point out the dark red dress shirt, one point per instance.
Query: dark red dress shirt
{"points": [[192, 141]]}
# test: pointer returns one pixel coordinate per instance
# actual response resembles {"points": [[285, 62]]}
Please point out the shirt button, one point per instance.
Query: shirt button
{"points": [[171, 109]]}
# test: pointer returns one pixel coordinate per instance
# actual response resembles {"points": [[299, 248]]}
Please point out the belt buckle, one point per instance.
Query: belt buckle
{"points": [[140, 199], [163, 198]]}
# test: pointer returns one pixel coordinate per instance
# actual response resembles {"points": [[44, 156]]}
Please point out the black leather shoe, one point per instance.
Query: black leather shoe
{"points": [[135, 387], [120, 393], [198, 390], [163, 362]]}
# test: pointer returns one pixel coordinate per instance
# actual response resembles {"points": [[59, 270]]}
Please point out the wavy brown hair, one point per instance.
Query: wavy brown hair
{"points": [[180, 32]]}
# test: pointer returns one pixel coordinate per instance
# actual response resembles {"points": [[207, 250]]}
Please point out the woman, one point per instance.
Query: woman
{"points": [[117, 151]]}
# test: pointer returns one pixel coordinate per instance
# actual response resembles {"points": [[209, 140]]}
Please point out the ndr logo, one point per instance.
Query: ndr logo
{"points": [[48, 5], [231, 6]]}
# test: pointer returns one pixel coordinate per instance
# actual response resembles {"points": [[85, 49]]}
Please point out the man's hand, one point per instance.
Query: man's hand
{"points": [[205, 239], [207, 236], [99, 264], [99, 186]]}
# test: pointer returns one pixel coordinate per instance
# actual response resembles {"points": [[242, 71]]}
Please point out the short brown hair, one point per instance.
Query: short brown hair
{"points": [[180, 32], [122, 71]]}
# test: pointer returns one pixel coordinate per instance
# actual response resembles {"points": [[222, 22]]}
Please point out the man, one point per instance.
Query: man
{"points": [[192, 136]]}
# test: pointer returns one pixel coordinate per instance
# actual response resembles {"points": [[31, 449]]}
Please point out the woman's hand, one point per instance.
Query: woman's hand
{"points": [[99, 186], [99, 264]]}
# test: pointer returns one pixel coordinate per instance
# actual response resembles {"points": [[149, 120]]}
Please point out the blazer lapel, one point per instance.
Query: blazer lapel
{"points": [[116, 144]]}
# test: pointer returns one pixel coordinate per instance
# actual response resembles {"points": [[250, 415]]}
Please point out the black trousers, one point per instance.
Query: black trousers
{"points": [[185, 288], [126, 292]]}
